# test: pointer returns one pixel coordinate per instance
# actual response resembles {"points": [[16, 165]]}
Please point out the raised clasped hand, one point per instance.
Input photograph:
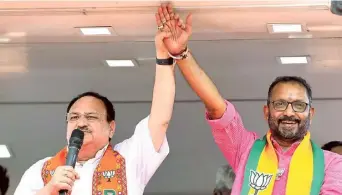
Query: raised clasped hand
{"points": [[172, 30]]}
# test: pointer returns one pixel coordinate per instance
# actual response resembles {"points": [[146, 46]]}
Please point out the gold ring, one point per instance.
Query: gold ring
{"points": [[163, 21]]}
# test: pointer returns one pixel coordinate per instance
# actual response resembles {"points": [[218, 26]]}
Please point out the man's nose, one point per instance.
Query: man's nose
{"points": [[289, 110], [82, 122]]}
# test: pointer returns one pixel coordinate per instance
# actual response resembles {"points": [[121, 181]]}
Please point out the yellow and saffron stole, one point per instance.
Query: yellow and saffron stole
{"points": [[109, 177], [306, 170]]}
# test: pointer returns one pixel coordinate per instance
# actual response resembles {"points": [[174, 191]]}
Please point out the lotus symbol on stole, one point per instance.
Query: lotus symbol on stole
{"points": [[108, 174], [259, 181]]}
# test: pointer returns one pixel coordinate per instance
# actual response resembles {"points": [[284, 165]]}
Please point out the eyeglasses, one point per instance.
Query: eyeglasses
{"points": [[297, 106], [90, 117]]}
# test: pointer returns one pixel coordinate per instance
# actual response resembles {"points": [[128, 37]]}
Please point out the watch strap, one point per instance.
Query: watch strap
{"points": [[168, 61]]}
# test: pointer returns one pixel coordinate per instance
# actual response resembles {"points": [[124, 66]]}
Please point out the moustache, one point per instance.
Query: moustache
{"points": [[287, 118], [85, 129]]}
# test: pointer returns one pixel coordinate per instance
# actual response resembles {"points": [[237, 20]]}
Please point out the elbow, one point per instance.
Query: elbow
{"points": [[159, 126], [158, 133], [165, 124], [158, 120], [215, 114]]}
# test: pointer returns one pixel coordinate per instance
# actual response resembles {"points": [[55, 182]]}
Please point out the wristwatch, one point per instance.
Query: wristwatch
{"points": [[181, 56], [168, 61]]}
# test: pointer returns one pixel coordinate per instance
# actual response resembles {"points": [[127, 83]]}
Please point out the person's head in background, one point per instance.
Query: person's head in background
{"points": [[224, 180], [4, 180], [333, 146]]}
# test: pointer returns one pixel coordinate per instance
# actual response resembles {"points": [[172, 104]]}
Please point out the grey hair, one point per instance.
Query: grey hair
{"points": [[225, 177]]}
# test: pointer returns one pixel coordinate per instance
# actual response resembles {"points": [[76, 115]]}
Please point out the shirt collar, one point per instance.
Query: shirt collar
{"points": [[289, 151]]}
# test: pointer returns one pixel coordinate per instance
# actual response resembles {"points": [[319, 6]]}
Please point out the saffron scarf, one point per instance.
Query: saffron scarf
{"points": [[109, 177], [306, 170]]}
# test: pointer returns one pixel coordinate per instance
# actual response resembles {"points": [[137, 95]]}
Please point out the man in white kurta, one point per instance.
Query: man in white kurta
{"points": [[133, 162], [141, 163]]}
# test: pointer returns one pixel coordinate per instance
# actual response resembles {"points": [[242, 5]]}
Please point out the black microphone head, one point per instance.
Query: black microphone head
{"points": [[336, 7], [76, 139]]}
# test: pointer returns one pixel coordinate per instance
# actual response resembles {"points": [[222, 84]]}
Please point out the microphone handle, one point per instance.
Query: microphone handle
{"points": [[72, 156], [70, 161]]}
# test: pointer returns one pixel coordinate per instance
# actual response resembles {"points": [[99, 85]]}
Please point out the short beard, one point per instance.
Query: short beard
{"points": [[288, 136]]}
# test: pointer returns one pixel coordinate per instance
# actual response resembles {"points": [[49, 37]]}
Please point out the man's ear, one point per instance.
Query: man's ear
{"points": [[112, 126], [312, 113], [266, 112]]}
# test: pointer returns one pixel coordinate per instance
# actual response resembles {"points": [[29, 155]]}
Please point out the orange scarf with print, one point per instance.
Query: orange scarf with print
{"points": [[109, 176]]}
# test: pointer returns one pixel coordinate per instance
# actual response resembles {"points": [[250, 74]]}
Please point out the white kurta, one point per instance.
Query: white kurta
{"points": [[141, 163]]}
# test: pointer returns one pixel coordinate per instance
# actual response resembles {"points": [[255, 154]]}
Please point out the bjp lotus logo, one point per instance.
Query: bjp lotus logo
{"points": [[259, 181], [108, 174]]}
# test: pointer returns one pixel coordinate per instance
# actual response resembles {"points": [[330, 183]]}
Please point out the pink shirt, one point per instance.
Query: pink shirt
{"points": [[235, 142]]}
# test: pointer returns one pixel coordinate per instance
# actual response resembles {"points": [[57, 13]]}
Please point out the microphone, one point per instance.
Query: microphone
{"points": [[336, 7], [75, 144]]}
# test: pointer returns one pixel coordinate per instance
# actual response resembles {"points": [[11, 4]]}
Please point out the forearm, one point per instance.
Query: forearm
{"points": [[163, 94], [162, 103], [200, 82]]}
